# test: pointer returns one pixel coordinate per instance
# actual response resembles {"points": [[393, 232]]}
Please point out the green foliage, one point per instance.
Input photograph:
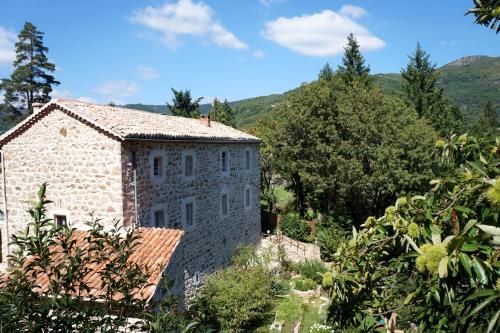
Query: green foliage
{"points": [[487, 13], [304, 284], [311, 269], [183, 105], [290, 309], [349, 152], [330, 234], [487, 123], [222, 113], [293, 226], [442, 278], [238, 298], [419, 85], [31, 80], [45, 248], [353, 68]]}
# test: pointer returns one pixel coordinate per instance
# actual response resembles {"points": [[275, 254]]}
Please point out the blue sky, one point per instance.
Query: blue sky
{"points": [[133, 51]]}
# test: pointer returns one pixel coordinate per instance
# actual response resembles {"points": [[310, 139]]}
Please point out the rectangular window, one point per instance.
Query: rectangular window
{"points": [[247, 159], [247, 197], [159, 218], [158, 166], [224, 204], [189, 217], [223, 159], [60, 220], [188, 166]]}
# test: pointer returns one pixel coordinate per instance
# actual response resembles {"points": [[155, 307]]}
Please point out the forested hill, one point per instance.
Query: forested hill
{"points": [[468, 82]]}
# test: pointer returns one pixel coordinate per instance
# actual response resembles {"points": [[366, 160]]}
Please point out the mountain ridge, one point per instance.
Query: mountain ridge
{"points": [[469, 82]]}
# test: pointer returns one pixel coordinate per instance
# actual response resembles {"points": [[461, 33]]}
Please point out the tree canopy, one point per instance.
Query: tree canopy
{"points": [[222, 112], [350, 151], [31, 80], [183, 104], [353, 63], [419, 86]]}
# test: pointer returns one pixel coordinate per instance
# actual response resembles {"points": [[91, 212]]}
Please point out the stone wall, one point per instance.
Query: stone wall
{"points": [[210, 244], [81, 166]]}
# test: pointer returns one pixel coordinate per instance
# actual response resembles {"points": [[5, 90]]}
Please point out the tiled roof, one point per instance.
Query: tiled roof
{"points": [[153, 252], [123, 123]]}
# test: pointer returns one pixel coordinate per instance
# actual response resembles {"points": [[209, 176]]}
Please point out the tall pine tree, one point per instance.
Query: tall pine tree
{"points": [[419, 86], [353, 63], [222, 112], [31, 80], [183, 105]]}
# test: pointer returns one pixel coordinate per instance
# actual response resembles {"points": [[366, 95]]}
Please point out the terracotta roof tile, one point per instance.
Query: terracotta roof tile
{"points": [[154, 250]]}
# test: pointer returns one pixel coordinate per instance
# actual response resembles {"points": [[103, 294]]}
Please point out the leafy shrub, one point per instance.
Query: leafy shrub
{"points": [[290, 309], [330, 234], [239, 297], [292, 226], [280, 287], [312, 269], [444, 271], [304, 284]]}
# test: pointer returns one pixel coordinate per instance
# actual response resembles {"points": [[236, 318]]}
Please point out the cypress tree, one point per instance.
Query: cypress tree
{"points": [[31, 80], [353, 63]]}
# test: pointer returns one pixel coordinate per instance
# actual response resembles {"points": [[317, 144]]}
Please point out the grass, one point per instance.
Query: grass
{"points": [[311, 315], [283, 197]]}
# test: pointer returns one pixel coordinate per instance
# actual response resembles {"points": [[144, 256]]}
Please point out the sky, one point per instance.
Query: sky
{"points": [[130, 51]]}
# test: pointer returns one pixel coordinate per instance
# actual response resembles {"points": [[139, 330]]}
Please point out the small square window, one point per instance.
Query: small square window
{"points": [[60, 220], [223, 159], [189, 219], [188, 166], [159, 218], [247, 159], [158, 166], [224, 204]]}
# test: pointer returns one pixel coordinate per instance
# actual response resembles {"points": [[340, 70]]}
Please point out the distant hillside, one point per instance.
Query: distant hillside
{"points": [[468, 82]]}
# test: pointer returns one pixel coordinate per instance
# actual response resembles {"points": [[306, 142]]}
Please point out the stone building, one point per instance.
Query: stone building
{"points": [[141, 168]]}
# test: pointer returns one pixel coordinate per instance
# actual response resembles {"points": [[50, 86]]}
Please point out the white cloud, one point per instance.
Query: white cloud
{"points": [[258, 54], [270, 2], [147, 73], [63, 93], [321, 34], [353, 11], [186, 18], [87, 99], [207, 100], [66, 94], [448, 43], [7, 49], [117, 90]]}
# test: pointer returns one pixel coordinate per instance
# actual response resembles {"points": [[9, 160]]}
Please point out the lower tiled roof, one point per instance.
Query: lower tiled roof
{"points": [[153, 253]]}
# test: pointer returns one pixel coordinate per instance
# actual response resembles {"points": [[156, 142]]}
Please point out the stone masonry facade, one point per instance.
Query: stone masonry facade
{"points": [[88, 170]]}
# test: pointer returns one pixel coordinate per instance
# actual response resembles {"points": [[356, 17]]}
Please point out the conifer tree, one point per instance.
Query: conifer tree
{"points": [[222, 112], [419, 87], [31, 80], [183, 105], [353, 63], [326, 73]]}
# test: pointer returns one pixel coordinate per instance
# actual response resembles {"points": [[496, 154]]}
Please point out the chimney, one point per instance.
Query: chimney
{"points": [[36, 106], [205, 120]]}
